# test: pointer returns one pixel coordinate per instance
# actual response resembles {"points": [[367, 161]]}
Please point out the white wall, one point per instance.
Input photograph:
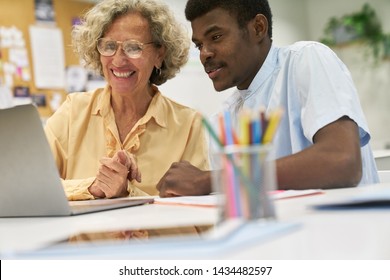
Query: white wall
{"points": [[289, 21]]}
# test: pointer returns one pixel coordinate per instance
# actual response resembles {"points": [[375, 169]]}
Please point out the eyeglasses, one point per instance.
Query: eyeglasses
{"points": [[132, 48]]}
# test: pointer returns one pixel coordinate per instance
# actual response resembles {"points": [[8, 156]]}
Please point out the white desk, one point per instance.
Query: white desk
{"points": [[337, 234]]}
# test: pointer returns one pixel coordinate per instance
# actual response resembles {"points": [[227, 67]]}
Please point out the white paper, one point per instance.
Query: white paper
{"points": [[202, 200], [76, 78], [5, 97], [19, 57], [214, 200], [48, 57]]}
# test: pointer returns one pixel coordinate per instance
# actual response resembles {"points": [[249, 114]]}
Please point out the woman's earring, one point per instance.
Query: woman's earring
{"points": [[158, 71]]}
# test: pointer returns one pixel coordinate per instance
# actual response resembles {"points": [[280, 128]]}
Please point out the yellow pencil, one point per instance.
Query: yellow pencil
{"points": [[244, 119], [273, 124]]}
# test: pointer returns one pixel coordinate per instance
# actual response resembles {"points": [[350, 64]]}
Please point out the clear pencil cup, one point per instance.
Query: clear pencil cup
{"points": [[244, 176]]}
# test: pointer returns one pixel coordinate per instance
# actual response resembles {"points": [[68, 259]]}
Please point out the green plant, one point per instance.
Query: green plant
{"points": [[363, 25]]}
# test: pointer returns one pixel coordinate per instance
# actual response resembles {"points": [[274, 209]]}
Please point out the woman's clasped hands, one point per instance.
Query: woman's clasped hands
{"points": [[113, 175]]}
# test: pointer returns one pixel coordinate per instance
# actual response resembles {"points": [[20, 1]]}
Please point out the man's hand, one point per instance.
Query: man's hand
{"points": [[182, 178], [111, 179]]}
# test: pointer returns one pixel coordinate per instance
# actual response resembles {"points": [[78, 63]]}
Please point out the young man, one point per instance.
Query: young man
{"points": [[323, 138]]}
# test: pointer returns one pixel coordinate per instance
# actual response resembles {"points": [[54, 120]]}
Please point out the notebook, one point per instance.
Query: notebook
{"points": [[30, 184]]}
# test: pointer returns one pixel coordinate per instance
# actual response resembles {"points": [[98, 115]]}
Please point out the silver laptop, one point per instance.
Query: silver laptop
{"points": [[29, 179]]}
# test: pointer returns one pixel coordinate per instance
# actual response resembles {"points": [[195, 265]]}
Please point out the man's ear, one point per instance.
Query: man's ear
{"points": [[260, 24]]}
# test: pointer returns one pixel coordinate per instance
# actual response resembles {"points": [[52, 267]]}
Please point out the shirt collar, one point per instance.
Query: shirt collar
{"points": [[101, 107], [157, 109]]}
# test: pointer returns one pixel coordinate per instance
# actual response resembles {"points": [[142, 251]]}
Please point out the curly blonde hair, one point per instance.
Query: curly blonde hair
{"points": [[165, 29]]}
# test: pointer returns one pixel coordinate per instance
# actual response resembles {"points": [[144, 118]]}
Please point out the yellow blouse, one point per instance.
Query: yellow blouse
{"points": [[83, 130]]}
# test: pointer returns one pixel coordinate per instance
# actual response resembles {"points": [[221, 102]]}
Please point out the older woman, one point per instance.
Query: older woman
{"points": [[120, 140]]}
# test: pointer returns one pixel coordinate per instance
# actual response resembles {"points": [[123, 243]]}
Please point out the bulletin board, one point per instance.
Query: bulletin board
{"points": [[21, 16]]}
